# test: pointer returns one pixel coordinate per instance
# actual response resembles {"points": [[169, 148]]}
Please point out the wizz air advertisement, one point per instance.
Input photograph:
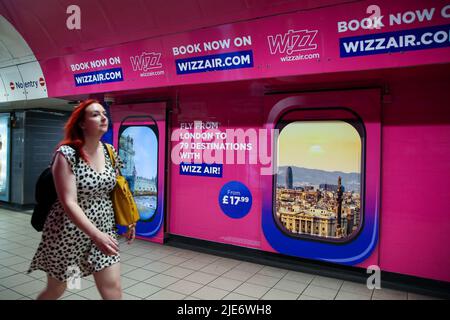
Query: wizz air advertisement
{"points": [[346, 37], [304, 188]]}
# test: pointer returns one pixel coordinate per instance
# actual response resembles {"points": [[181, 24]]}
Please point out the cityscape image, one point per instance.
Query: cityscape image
{"points": [[319, 179], [140, 167]]}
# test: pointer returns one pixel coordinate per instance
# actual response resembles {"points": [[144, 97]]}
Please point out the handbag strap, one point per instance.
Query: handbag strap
{"points": [[111, 155]]}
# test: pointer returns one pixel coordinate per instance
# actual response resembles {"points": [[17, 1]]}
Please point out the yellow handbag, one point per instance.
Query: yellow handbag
{"points": [[125, 210]]}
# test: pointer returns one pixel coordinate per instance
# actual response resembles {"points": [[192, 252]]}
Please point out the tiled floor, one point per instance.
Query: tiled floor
{"points": [[153, 271]]}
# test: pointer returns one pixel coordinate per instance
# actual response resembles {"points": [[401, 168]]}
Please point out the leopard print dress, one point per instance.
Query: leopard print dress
{"points": [[64, 248]]}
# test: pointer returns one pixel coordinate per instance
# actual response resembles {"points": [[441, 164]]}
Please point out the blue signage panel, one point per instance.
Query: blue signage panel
{"points": [[235, 199], [405, 40], [216, 62], [201, 169], [98, 77]]}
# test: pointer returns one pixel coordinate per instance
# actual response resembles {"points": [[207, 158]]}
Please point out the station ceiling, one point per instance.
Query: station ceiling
{"points": [[106, 23]]}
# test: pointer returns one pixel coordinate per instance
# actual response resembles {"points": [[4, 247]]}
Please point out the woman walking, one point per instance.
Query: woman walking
{"points": [[79, 238]]}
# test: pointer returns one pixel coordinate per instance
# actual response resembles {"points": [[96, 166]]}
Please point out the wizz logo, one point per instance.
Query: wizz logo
{"points": [[146, 61], [292, 41]]}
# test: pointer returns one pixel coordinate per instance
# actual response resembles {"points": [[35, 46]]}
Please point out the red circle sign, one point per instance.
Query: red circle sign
{"points": [[42, 82], [11, 85]]}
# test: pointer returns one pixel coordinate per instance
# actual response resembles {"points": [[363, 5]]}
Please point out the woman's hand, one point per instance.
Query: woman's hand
{"points": [[107, 244], [131, 233]]}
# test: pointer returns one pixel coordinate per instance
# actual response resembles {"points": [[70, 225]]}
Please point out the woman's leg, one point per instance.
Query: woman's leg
{"points": [[54, 290], [108, 282]]}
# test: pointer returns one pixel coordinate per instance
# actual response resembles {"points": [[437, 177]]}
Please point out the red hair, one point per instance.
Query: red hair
{"points": [[73, 134]]}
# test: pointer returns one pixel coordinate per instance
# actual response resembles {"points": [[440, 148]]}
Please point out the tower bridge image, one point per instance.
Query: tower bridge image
{"points": [[140, 186], [139, 163]]}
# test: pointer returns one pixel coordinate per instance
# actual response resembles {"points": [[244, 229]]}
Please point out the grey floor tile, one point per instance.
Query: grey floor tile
{"points": [[201, 277], [18, 238], [90, 293], [15, 280], [67, 293], [127, 282], [137, 251], [165, 294], [238, 275], [11, 246], [174, 260], [188, 254], [6, 272], [161, 280], [227, 262], [30, 288], [210, 293], [216, 269], [343, 295], [21, 267], [7, 262], [126, 296], [142, 290], [140, 274], [32, 243], [38, 274], [252, 290], [74, 297], [26, 253], [125, 257], [154, 256], [262, 280], [304, 297], [225, 284], [326, 282], [356, 288], [157, 266], [194, 264], [276, 294], [184, 287], [136, 262], [9, 295], [249, 267], [273, 272], [237, 296], [178, 272], [125, 268], [291, 286], [5, 255], [320, 292], [207, 258], [299, 277]]}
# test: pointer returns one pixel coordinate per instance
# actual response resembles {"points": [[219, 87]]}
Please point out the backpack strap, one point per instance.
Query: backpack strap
{"points": [[53, 159]]}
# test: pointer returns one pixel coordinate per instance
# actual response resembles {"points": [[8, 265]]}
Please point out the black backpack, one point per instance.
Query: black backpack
{"points": [[45, 196]]}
